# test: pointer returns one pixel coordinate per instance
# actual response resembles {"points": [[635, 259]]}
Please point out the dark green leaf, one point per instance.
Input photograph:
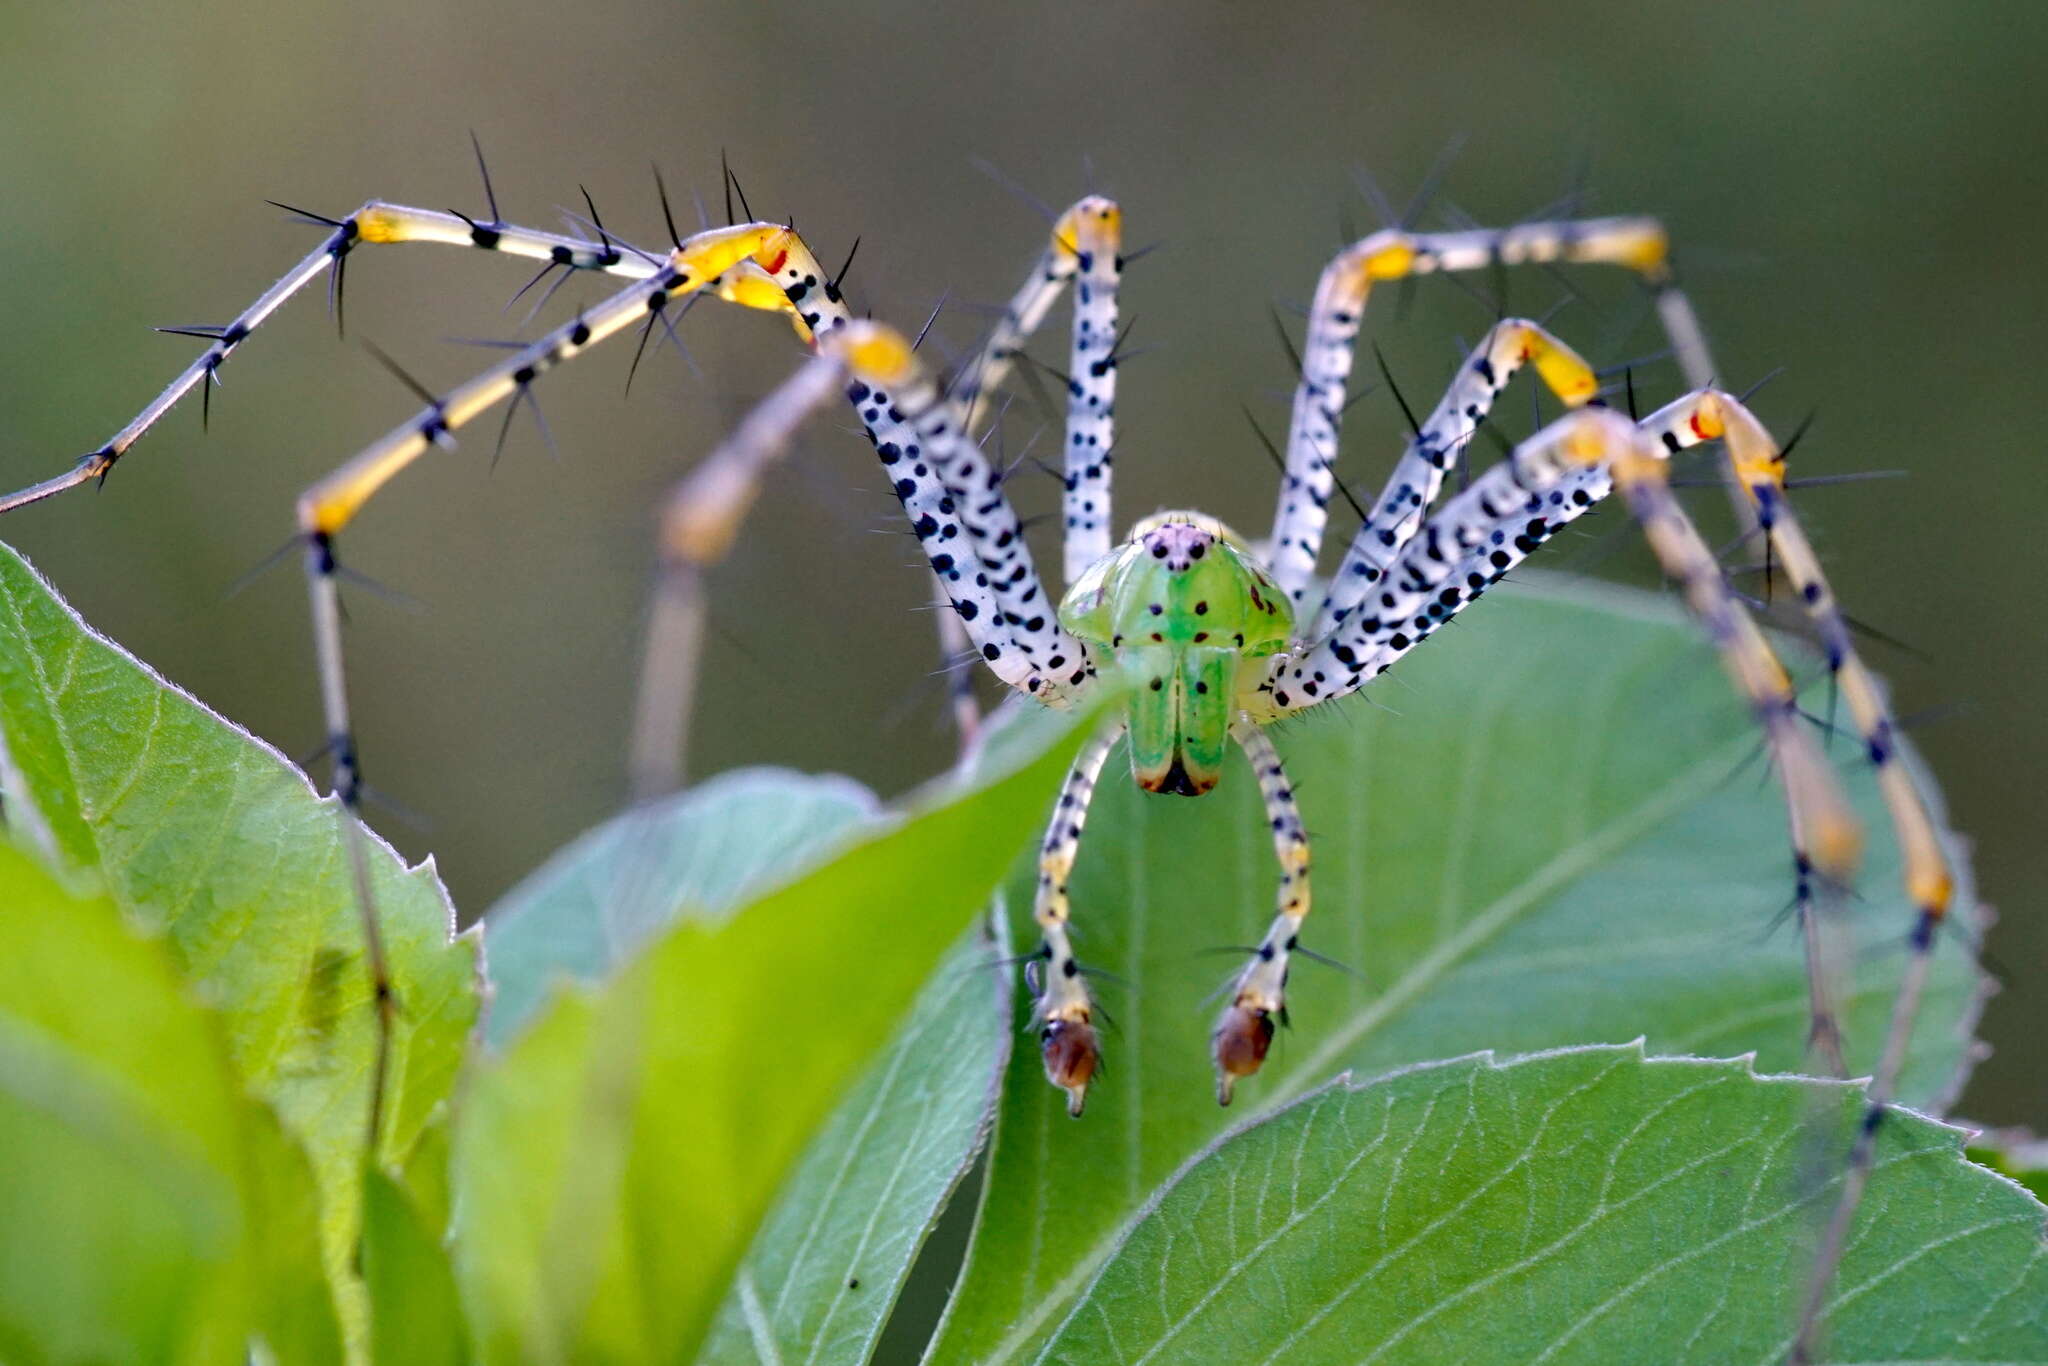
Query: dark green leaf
{"points": [[1576, 1207], [824, 1271]]}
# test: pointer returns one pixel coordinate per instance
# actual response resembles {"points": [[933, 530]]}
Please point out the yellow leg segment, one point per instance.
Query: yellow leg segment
{"points": [[1758, 463]]}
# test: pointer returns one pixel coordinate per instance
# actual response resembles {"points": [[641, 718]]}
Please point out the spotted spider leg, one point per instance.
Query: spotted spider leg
{"points": [[1759, 463], [1064, 1012], [1833, 839], [1826, 837], [956, 669], [1474, 541], [1091, 384], [1550, 480], [982, 377], [1639, 244], [1244, 1031], [1084, 244], [1436, 445], [954, 496], [915, 430], [1465, 546], [375, 223]]}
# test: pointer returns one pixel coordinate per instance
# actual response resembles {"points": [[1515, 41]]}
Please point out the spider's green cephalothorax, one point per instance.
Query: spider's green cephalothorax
{"points": [[1179, 605]]}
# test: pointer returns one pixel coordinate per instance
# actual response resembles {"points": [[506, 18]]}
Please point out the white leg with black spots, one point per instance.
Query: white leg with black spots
{"points": [[1468, 544], [1258, 1001], [954, 498], [375, 223], [1436, 447], [1091, 384], [1068, 1039], [1758, 463]]}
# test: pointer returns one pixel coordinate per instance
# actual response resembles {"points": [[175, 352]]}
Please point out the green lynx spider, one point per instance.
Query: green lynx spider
{"points": [[1210, 636]]}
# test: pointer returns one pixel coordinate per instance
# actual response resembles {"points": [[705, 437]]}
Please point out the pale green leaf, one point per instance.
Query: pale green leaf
{"points": [[415, 1314], [587, 910], [196, 826], [1570, 1208], [152, 1211]]}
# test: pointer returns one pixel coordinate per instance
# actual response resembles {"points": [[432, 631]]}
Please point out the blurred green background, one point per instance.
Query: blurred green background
{"points": [[1856, 190]]}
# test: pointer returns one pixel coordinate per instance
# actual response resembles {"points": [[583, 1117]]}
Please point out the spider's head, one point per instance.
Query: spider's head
{"points": [[1179, 607]]}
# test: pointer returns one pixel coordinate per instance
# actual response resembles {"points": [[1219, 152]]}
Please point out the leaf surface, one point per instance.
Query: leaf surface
{"points": [[1584, 1206], [825, 1269], [153, 1212], [587, 910]]}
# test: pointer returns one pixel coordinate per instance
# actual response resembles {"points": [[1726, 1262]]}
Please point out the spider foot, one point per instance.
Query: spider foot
{"points": [[1067, 1037], [1244, 1031], [1073, 1053]]}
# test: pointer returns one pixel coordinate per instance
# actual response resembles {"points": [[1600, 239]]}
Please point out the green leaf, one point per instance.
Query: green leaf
{"points": [[195, 826], [826, 1267], [154, 1212], [1551, 833], [415, 1313], [612, 1165], [1583, 1206], [590, 908]]}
